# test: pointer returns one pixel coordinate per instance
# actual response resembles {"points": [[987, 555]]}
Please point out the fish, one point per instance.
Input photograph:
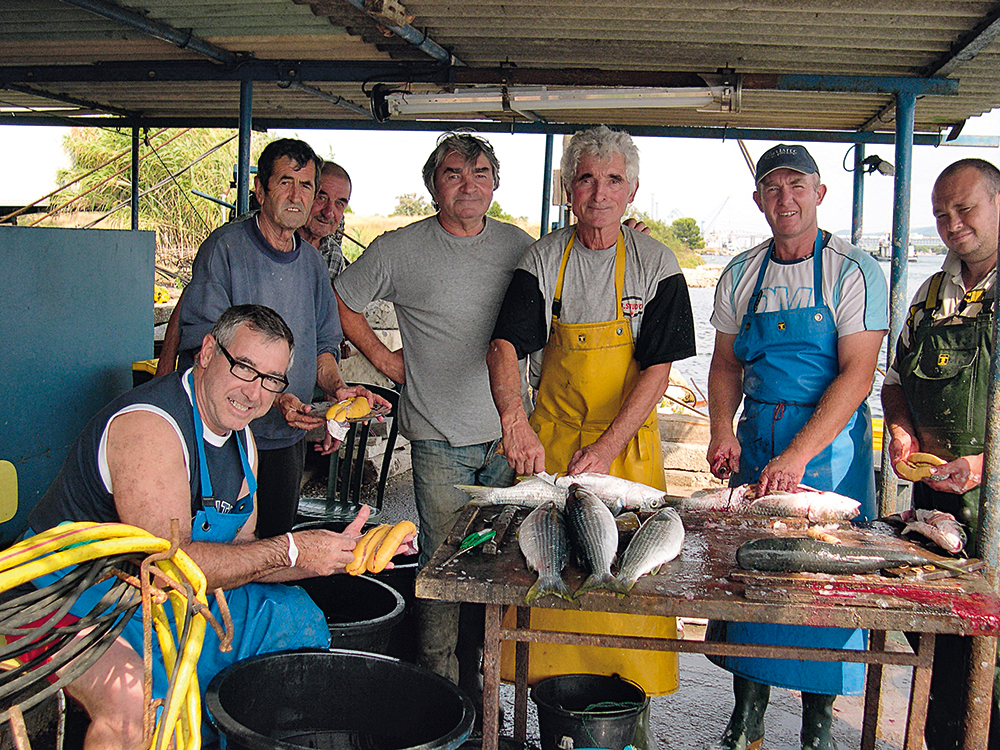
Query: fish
{"points": [[593, 533], [618, 494], [804, 555], [657, 542], [941, 528], [544, 543], [804, 502], [628, 495], [529, 493]]}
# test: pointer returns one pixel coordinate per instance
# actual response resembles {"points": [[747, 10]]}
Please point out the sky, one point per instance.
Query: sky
{"points": [[701, 178]]}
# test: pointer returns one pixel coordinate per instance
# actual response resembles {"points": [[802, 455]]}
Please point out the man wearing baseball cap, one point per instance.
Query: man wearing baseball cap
{"points": [[799, 324]]}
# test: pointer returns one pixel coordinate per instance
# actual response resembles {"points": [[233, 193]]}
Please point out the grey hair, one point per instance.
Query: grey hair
{"points": [[331, 168], [989, 173], [602, 142], [259, 318], [466, 145]]}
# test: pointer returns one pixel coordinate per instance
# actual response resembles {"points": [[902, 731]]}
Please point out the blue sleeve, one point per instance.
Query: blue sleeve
{"points": [[207, 296]]}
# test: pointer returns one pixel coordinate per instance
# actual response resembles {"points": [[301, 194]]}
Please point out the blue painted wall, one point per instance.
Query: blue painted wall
{"points": [[76, 309]]}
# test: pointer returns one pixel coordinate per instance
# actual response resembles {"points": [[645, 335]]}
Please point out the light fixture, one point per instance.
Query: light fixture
{"points": [[875, 163], [494, 100]]}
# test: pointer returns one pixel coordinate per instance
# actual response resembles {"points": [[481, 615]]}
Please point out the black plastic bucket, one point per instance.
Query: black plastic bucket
{"points": [[401, 577], [360, 611], [336, 700], [592, 710]]}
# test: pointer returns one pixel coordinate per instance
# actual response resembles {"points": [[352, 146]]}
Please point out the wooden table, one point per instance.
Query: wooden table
{"points": [[705, 583]]}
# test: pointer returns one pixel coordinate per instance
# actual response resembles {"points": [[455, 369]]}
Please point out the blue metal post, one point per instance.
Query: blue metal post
{"points": [[135, 177], [988, 536], [546, 185], [906, 104], [243, 162], [858, 210]]}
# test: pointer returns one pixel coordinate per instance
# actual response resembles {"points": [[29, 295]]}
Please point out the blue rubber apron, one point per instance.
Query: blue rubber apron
{"points": [[266, 617], [789, 359]]}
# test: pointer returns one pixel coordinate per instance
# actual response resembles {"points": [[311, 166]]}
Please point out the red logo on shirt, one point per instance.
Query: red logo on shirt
{"points": [[631, 306]]}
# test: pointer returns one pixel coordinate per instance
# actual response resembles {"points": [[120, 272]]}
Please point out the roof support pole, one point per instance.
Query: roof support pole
{"points": [[243, 161], [988, 534], [906, 104], [858, 208], [546, 185], [135, 177]]}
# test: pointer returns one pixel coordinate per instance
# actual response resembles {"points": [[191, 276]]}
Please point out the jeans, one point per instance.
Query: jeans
{"points": [[437, 468], [449, 635]]}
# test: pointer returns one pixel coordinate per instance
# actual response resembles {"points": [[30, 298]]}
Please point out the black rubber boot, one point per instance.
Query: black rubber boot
{"points": [[817, 722], [745, 730]]}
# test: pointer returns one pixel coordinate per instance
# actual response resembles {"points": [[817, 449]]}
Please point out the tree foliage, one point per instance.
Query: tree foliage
{"points": [[658, 230], [172, 164], [412, 204], [687, 231], [495, 212]]}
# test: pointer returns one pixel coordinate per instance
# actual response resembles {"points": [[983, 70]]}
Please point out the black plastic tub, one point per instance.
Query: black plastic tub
{"points": [[361, 611], [594, 711], [336, 700]]}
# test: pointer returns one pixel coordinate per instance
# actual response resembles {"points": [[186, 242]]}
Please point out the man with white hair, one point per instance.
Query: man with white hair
{"points": [[602, 310]]}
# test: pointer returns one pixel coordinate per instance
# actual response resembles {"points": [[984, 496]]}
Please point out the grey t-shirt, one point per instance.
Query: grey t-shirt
{"points": [[654, 297], [446, 291]]}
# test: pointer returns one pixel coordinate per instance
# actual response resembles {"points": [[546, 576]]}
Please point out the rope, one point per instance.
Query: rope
{"points": [[85, 554]]}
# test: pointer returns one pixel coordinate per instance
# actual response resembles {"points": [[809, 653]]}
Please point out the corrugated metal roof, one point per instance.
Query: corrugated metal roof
{"points": [[892, 38]]}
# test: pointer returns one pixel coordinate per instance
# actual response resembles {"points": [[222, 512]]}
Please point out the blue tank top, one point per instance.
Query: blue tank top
{"points": [[78, 492]]}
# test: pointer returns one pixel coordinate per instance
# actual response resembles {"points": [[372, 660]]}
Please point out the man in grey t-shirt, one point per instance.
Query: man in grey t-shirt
{"points": [[446, 277]]}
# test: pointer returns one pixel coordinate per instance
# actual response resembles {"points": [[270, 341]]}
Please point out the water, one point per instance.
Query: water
{"points": [[696, 368]]}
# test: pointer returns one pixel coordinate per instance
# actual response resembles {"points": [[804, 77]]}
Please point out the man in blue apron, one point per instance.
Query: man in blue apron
{"points": [[934, 396], [799, 324], [179, 447]]}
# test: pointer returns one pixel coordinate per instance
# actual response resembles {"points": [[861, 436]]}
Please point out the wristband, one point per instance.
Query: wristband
{"points": [[293, 551]]}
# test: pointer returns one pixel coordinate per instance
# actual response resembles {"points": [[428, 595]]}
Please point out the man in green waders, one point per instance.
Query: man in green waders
{"points": [[934, 396], [799, 325]]}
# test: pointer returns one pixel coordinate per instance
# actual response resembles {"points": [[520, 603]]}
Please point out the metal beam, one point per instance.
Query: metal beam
{"points": [[273, 71], [64, 99], [243, 160], [546, 185], [415, 37], [134, 197], [182, 39], [858, 208], [337, 100], [906, 105], [851, 84]]}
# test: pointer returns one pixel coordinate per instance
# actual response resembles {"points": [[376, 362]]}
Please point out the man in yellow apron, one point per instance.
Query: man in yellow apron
{"points": [[603, 311]]}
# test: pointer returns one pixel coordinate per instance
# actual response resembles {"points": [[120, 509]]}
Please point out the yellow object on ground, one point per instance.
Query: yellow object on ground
{"points": [[160, 294]]}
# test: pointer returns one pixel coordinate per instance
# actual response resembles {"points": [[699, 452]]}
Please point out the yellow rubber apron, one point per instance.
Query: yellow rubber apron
{"points": [[587, 371]]}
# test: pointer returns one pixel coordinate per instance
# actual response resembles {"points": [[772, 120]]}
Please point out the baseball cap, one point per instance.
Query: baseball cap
{"points": [[783, 156]]}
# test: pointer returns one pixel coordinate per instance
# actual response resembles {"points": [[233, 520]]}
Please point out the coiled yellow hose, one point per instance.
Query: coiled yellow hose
{"points": [[74, 543]]}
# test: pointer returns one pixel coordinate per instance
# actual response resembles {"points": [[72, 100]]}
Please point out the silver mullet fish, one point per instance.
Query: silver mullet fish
{"points": [[656, 543], [618, 494], [544, 543], [805, 502], [593, 532], [941, 528]]}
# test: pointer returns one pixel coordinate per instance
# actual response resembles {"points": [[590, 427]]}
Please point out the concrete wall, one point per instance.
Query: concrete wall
{"points": [[76, 309]]}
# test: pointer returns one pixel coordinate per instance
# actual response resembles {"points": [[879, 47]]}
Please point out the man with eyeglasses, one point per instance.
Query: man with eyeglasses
{"points": [[179, 447], [262, 259]]}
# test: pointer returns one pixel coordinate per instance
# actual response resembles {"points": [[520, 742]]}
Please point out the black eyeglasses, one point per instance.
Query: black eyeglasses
{"points": [[248, 374]]}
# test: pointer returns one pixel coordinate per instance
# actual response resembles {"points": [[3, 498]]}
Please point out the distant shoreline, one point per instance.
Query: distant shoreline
{"points": [[702, 276]]}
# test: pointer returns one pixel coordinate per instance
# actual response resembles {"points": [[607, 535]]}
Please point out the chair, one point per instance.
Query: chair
{"points": [[343, 490]]}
